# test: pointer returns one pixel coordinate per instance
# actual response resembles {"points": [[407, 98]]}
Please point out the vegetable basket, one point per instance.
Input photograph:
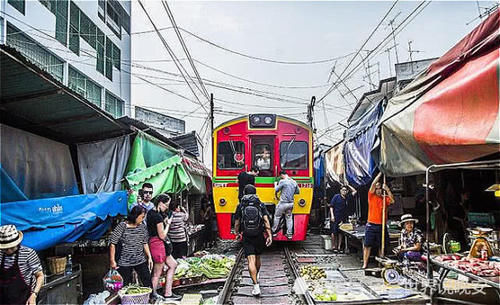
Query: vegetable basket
{"points": [[128, 296]]}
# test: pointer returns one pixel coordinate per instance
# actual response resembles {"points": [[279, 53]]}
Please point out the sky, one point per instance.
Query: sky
{"points": [[298, 34]]}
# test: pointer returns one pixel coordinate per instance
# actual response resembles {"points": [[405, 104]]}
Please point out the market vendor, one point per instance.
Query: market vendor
{"points": [[373, 231], [410, 240], [21, 274]]}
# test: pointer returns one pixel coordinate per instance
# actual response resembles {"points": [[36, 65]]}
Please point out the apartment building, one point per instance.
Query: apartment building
{"points": [[86, 45]]}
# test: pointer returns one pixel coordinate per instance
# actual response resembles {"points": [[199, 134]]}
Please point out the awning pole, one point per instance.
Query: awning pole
{"points": [[427, 231], [383, 222]]}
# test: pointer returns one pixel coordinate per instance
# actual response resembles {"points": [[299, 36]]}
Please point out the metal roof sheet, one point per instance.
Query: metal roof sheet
{"points": [[32, 100]]}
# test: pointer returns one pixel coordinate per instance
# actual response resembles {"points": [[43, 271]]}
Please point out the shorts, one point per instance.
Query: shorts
{"points": [[334, 225], [253, 245], [180, 249], [373, 236], [157, 248]]}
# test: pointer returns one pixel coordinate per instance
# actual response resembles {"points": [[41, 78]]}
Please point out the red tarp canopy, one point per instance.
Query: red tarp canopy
{"points": [[450, 113]]}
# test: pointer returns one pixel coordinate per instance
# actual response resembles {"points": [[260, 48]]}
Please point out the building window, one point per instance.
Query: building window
{"points": [[114, 15], [84, 86], [101, 9], [60, 9], [114, 105], [231, 155], [35, 53], [109, 59], [74, 29], [87, 30], [116, 56], [100, 47], [293, 155], [19, 5]]}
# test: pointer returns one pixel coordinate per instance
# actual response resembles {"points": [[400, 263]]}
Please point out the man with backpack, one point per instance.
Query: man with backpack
{"points": [[253, 217]]}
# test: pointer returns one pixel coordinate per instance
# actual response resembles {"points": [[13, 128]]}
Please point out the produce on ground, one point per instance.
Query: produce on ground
{"points": [[209, 266], [325, 295], [312, 272]]}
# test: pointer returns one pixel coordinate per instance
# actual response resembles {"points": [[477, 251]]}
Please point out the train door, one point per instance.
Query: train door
{"points": [[263, 155]]}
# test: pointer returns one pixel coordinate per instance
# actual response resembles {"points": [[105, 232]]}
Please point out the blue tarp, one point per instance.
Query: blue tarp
{"points": [[359, 141], [8, 188], [48, 222], [319, 169]]}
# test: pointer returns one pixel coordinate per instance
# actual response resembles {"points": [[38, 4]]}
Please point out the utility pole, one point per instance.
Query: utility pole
{"points": [[211, 114], [310, 112], [388, 51], [410, 52]]}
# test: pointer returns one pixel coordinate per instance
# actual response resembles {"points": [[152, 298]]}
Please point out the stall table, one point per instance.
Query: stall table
{"points": [[445, 268], [358, 234], [62, 289]]}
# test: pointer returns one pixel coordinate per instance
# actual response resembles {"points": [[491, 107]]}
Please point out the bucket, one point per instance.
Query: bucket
{"points": [[327, 242], [56, 264]]}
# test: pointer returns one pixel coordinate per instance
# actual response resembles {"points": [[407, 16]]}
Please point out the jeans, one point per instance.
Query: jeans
{"points": [[284, 208], [142, 271]]}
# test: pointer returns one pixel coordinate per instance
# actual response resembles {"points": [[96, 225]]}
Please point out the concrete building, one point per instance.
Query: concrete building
{"points": [[86, 45], [166, 125]]}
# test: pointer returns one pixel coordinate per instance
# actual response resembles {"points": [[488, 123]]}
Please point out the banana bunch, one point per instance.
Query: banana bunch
{"points": [[312, 273]]}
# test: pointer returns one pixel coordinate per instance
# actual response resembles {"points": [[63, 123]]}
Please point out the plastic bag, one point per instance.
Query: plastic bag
{"points": [[95, 299], [113, 281]]}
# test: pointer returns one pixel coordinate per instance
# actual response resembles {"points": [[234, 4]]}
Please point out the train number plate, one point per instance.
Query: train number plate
{"points": [[305, 185]]}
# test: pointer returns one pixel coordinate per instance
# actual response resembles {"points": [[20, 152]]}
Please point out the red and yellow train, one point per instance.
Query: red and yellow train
{"points": [[272, 143]]}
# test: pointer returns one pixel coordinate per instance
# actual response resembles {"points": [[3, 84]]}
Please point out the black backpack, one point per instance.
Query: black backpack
{"points": [[252, 217]]}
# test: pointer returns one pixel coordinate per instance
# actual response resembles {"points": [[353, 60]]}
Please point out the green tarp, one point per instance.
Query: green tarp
{"points": [[157, 163]]}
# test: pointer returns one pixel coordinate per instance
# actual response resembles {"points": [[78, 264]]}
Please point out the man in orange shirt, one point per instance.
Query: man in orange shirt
{"points": [[373, 231]]}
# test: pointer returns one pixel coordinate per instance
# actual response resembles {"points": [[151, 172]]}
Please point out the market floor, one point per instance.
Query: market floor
{"points": [[312, 251]]}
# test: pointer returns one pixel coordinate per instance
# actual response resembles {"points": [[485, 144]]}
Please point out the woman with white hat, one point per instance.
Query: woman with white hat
{"points": [[410, 240], [18, 266]]}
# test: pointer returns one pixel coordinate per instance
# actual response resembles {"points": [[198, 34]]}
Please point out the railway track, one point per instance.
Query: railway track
{"points": [[277, 278]]}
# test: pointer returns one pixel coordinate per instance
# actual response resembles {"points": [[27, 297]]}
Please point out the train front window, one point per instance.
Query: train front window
{"points": [[293, 155], [262, 156], [231, 155]]}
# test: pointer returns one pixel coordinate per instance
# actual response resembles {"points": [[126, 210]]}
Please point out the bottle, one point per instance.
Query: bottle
{"points": [[69, 266]]}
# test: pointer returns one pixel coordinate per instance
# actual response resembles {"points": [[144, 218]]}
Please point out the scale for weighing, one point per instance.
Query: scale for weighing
{"points": [[480, 237]]}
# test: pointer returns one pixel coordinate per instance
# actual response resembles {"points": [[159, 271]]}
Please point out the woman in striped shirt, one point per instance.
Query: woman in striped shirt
{"points": [[178, 230], [133, 253]]}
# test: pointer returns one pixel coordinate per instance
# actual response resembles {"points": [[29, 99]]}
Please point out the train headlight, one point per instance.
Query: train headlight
{"points": [[302, 203], [222, 202], [262, 120]]}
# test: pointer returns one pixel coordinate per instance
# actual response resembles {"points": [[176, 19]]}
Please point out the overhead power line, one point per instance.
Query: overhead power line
{"points": [[184, 47], [176, 61], [359, 50]]}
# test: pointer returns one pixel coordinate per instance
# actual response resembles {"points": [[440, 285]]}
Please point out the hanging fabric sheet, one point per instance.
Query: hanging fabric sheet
{"points": [[39, 167], [359, 140], [102, 164]]}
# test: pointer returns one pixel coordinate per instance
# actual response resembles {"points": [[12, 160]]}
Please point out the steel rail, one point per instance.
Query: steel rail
{"points": [[309, 300], [229, 282]]}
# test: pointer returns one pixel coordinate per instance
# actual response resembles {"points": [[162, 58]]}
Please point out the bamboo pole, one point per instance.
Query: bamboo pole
{"points": [[383, 221]]}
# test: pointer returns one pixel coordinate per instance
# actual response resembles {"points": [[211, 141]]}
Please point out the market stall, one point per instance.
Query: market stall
{"points": [[480, 263]]}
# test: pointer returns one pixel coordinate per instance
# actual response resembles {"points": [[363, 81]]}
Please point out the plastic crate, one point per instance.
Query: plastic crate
{"points": [[481, 219]]}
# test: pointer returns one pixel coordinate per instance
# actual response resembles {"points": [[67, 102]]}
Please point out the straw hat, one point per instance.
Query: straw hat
{"points": [[10, 236], [406, 218]]}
